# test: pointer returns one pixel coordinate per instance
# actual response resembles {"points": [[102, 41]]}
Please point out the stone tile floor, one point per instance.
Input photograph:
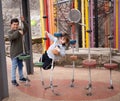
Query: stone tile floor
{"points": [[62, 77]]}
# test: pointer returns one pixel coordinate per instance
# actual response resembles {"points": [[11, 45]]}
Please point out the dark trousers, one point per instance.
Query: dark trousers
{"points": [[47, 62]]}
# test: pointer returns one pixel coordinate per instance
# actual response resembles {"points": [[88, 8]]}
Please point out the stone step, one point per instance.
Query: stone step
{"points": [[116, 59]]}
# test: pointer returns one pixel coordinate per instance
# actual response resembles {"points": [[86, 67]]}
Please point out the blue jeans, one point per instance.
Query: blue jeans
{"points": [[17, 63]]}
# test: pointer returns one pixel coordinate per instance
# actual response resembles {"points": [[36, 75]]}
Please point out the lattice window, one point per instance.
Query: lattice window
{"points": [[61, 10]]}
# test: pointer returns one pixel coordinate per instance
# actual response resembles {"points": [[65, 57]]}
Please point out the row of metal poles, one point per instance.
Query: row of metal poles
{"points": [[88, 63]]}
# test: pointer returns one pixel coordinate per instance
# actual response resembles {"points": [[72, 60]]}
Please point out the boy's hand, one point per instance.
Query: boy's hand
{"points": [[55, 52], [21, 32], [57, 48], [46, 32], [22, 18]]}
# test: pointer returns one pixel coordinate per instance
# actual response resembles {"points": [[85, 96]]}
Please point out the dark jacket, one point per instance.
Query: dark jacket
{"points": [[16, 43]]}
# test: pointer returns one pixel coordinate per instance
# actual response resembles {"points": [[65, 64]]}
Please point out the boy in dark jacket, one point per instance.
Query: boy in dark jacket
{"points": [[16, 48]]}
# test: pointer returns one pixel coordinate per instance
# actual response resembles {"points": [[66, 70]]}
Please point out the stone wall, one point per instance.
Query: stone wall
{"points": [[101, 55], [11, 9]]}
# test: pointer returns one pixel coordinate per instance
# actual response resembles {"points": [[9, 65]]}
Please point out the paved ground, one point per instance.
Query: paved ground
{"points": [[62, 77]]}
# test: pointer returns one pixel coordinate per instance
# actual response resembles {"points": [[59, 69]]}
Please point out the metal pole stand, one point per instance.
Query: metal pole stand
{"points": [[25, 57], [40, 64], [58, 35], [51, 80], [110, 65], [89, 64], [89, 88], [73, 58]]}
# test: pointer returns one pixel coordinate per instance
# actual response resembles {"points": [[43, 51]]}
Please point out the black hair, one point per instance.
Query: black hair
{"points": [[14, 20]]}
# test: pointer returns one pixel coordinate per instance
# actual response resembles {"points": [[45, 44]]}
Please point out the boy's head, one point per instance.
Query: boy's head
{"points": [[14, 24], [64, 39]]}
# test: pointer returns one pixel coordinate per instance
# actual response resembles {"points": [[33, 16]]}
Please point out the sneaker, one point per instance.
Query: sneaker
{"points": [[23, 79], [14, 82]]}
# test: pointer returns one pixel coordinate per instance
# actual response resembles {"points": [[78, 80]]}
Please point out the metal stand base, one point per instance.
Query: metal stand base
{"points": [[89, 94], [111, 87], [27, 82], [72, 83], [42, 83], [89, 64], [110, 66], [25, 57], [89, 88], [52, 88]]}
